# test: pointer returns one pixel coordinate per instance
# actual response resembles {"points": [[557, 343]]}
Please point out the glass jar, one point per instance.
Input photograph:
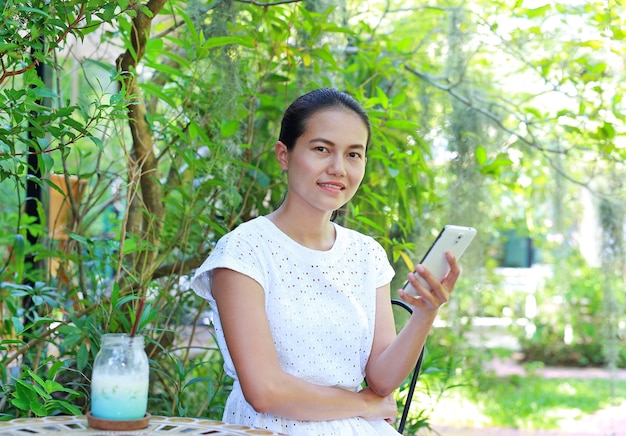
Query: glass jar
{"points": [[120, 379]]}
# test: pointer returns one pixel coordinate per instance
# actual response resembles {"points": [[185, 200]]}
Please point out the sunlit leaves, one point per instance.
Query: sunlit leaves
{"points": [[535, 12], [39, 397]]}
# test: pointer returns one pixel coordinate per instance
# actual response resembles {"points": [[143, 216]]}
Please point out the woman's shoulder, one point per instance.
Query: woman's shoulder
{"points": [[248, 229], [246, 237], [354, 237]]}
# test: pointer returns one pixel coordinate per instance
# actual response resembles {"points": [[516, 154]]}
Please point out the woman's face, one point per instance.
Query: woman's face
{"points": [[327, 163]]}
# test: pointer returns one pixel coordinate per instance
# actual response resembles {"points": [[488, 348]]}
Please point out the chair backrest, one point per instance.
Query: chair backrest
{"points": [[414, 376]]}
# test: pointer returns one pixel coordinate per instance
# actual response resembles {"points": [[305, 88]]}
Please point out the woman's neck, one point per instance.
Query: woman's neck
{"points": [[314, 231]]}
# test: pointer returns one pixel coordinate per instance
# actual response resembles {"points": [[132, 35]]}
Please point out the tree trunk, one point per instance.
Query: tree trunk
{"points": [[146, 210]]}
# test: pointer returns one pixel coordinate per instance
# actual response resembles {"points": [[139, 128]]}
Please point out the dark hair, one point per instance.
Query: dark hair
{"points": [[304, 107]]}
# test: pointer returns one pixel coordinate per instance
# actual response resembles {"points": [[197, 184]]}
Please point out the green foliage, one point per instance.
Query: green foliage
{"points": [[41, 397], [454, 139], [541, 403], [529, 402], [191, 387], [575, 311]]}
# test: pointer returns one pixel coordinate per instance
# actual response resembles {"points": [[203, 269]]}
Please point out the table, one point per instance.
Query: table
{"points": [[158, 426]]}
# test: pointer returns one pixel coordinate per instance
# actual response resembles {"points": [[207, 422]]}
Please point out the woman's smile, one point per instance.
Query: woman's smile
{"points": [[332, 187]]}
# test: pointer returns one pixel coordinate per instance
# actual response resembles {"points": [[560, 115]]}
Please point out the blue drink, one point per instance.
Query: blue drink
{"points": [[120, 379], [119, 397]]}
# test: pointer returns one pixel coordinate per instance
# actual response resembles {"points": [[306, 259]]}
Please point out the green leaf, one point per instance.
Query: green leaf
{"points": [[36, 378], [65, 406], [146, 11], [398, 99], [157, 91], [203, 380], [21, 403], [82, 357], [42, 92], [54, 368], [38, 409], [115, 293], [533, 111], [183, 61], [169, 70], [382, 98], [96, 140], [80, 239], [24, 390], [537, 12], [371, 223], [606, 131], [27, 10], [7, 47], [229, 128], [481, 155], [18, 327], [495, 167], [324, 54], [130, 246], [125, 299]]}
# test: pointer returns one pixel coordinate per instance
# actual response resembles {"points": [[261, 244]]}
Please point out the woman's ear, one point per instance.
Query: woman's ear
{"points": [[282, 155]]}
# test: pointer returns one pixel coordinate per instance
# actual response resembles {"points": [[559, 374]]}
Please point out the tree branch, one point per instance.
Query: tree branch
{"points": [[450, 89], [256, 3]]}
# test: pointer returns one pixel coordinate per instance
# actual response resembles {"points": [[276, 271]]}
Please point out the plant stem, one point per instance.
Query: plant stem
{"points": [[142, 302]]}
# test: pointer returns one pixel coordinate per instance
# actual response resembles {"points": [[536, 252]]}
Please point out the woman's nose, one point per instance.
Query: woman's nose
{"points": [[337, 166]]}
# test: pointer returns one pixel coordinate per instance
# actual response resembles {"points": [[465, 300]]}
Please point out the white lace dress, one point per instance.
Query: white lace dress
{"points": [[321, 308]]}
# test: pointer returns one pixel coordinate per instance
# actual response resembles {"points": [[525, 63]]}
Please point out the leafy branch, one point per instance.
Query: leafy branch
{"points": [[451, 90], [6, 73]]}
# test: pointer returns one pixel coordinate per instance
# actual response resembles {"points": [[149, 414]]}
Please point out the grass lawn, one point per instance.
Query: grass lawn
{"points": [[525, 402]]}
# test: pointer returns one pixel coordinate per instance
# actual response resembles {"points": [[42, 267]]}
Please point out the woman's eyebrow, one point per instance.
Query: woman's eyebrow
{"points": [[332, 144], [323, 140]]}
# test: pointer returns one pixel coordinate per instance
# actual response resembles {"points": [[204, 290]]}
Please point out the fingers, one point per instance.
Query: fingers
{"points": [[426, 297], [435, 292], [455, 271]]}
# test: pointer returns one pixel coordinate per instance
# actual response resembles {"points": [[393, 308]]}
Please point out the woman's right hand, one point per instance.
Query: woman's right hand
{"points": [[379, 407]]}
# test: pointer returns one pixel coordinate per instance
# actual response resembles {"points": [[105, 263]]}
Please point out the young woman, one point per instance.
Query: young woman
{"points": [[303, 304]]}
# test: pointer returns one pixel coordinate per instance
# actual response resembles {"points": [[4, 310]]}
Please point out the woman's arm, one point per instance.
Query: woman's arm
{"points": [[266, 386], [394, 357]]}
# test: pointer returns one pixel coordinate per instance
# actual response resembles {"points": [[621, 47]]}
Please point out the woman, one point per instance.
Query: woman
{"points": [[303, 304]]}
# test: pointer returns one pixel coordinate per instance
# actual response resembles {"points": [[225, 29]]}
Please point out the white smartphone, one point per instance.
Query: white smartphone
{"points": [[452, 238]]}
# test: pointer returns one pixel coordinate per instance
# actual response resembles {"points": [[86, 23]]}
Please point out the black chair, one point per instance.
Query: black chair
{"points": [[414, 376]]}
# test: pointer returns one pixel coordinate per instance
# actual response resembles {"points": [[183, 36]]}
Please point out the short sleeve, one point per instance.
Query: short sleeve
{"points": [[236, 251], [384, 270]]}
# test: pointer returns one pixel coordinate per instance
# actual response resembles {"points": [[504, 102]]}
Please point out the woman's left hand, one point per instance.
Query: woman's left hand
{"points": [[439, 293]]}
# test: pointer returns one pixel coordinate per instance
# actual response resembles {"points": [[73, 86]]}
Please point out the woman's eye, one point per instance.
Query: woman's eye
{"points": [[320, 148], [354, 154]]}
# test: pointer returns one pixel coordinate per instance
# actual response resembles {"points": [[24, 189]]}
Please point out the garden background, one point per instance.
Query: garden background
{"points": [[162, 116]]}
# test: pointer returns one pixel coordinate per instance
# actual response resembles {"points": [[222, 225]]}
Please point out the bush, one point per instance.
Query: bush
{"points": [[572, 319]]}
